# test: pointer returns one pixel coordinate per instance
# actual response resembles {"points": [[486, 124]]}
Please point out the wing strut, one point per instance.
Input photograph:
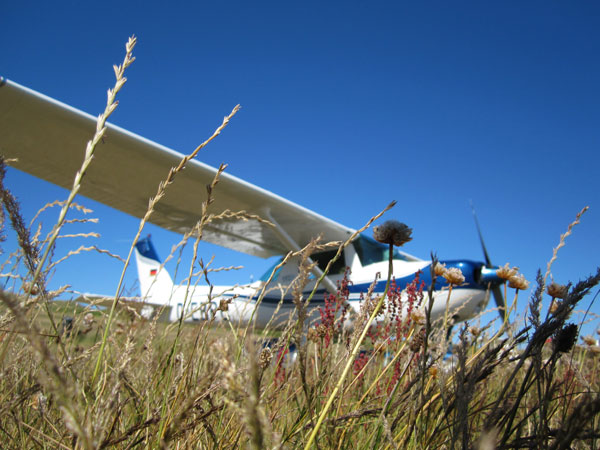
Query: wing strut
{"points": [[290, 244]]}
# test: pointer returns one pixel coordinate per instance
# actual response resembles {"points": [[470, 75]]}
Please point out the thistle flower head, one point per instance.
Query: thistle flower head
{"points": [[30, 288], [418, 317], [224, 304], [454, 276], [417, 342], [506, 272], [557, 290], [87, 323], [321, 330], [434, 371], [312, 335], [88, 319], [264, 359], [40, 402], [565, 338], [392, 232], [475, 331], [589, 341], [518, 282], [439, 269]]}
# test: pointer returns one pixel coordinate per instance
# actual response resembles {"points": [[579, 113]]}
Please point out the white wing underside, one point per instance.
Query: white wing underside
{"points": [[49, 139]]}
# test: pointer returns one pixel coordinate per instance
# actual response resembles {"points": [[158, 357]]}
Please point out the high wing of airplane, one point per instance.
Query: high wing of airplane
{"points": [[49, 138]]}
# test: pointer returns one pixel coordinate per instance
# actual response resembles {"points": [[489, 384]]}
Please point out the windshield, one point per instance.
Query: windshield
{"points": [[267, 274], [370, 251]]}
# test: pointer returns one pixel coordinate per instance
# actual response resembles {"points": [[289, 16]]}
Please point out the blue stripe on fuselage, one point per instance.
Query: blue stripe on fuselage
{"points": [[469, 269]]}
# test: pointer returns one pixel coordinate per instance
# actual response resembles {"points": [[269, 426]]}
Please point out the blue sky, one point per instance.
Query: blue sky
{"points": [[345, 107]]}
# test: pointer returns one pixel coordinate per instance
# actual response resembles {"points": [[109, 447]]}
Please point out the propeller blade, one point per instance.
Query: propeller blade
{"points": [[488, 262], [499, 301], [495, 285]]}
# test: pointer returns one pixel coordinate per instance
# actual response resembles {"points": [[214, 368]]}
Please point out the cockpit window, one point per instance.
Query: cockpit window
{"points": [[370, 251], [323, 258]]}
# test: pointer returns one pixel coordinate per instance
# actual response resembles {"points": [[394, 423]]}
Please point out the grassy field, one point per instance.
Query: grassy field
{"points": [[112, 379], [203, 386]]}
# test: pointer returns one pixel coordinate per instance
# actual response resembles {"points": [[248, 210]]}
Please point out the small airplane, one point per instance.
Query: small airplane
{"points": [[48, 138]]}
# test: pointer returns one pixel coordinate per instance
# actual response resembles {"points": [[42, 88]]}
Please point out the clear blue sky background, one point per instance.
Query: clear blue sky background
{"points": [[346, 106]]}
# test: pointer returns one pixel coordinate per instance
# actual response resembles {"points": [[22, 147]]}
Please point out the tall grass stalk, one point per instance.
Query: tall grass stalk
{"points": [[159, 194], [354, 352], [111, 105]]}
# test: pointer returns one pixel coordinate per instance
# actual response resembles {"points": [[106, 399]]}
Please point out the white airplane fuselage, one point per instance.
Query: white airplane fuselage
{"points": [[275, 306]]}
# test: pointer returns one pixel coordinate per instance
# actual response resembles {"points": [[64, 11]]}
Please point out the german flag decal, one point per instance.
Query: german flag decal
{"points": [[152, 272]]}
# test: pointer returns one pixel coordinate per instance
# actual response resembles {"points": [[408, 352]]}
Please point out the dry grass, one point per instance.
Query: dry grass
{"points": [[115, 380]]}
